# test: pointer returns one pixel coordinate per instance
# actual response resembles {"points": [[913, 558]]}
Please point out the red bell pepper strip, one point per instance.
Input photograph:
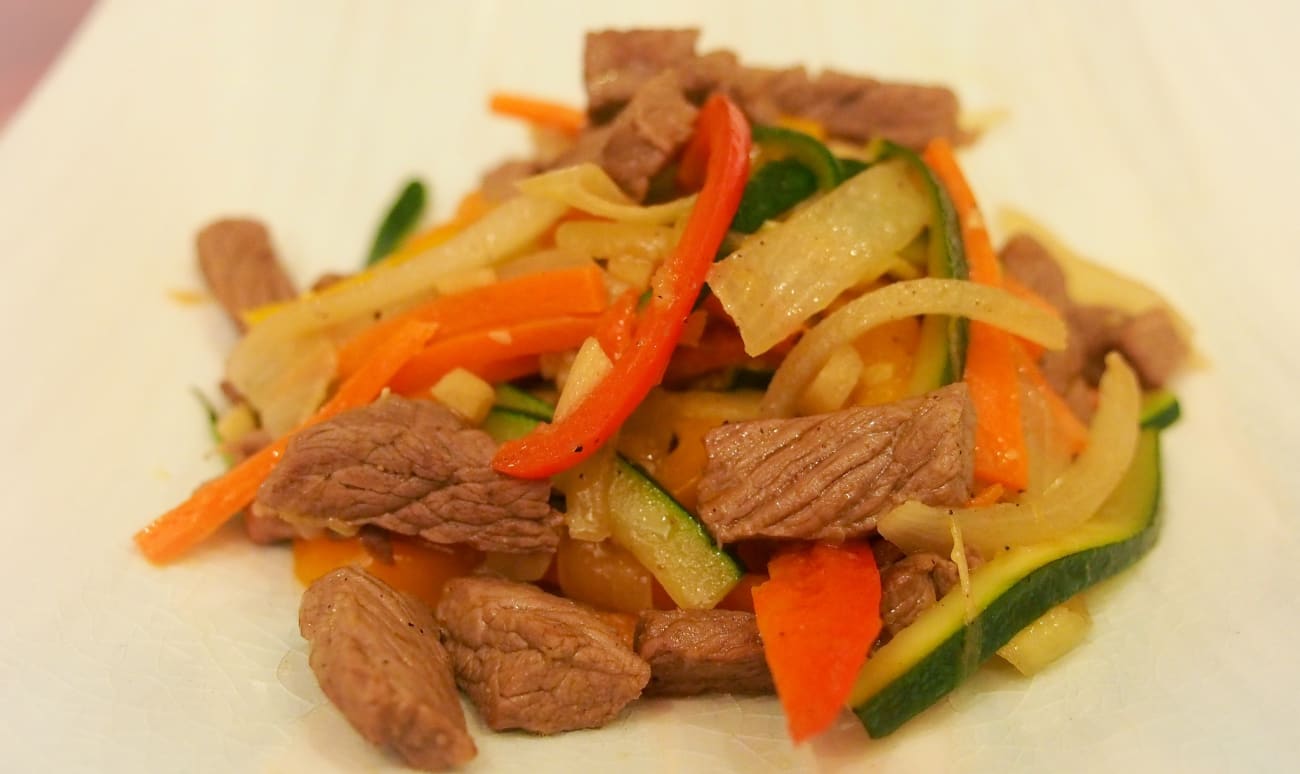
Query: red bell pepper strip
{"points": [[553, 448], [818, 616]]}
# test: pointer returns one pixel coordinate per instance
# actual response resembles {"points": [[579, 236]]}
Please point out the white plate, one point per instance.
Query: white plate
{"points": [[1159, 139]]}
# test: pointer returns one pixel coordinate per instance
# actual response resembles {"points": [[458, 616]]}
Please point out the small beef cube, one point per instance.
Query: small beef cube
{"points": [[531, 660], [241, 268], [377, 656], [617, 63], [702, 651], [1153, 346]]}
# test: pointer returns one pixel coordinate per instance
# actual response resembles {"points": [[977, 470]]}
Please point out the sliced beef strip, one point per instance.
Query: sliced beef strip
{"points": [[378, 657], [911, 585], [828, 477], [1027, 261], [411, 467], [531, 660], [702, 651], [617, 63], [240, 266], [1152, 345], [644, 137]]}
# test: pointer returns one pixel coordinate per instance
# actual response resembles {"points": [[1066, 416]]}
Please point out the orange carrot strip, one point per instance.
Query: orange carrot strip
{"points": [[575, 291], [818, 616], [986, 496], [541, 112], [1000, 452], [741, 596], [1072, 429], [211, 505], [483, 348]]}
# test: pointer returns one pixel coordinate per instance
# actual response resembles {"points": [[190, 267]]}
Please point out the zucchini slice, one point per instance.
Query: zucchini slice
{"points": [[931, 657], [1160, 409], [672, 544]]}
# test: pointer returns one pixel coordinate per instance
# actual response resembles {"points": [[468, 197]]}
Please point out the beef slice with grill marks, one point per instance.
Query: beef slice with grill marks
{"points": [[240, 266], [534, 661], [691, 652], [411, 467], [828, 477], [378, 657]]}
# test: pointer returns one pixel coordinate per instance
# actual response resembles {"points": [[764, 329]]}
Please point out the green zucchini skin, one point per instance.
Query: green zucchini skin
{"points": [[802, 167], [685, 557], [941, 356], [1027, 598], [401, 220], [1160, 409]]}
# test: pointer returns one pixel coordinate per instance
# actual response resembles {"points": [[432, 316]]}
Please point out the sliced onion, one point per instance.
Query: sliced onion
{"points": [[1067, 502], [782, 276], [286, 362], [893, 302], [586, 187]]}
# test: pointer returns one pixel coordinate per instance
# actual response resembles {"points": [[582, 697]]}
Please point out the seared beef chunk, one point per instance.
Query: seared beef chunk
{"points": [[534, 661], [240, 267], [617, 63], [828, 477], [911, 586], [702, 651], [265, 530], [1148, 340], [411, 467], [644, 137], [377, 656]]}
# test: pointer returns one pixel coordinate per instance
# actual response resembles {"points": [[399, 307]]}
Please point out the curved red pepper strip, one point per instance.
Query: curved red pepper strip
{"points": [[553, 448]]}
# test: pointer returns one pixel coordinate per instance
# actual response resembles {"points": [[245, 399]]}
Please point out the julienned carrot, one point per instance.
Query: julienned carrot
{"points": [[540, 112], [483, 349], [574, 291], [211, 505], [1071, 428], [817, 617], [723, 132], [1000, 452]]}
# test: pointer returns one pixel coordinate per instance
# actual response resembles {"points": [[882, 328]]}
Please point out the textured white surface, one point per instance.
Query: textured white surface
{"points": [[1158, 137]]}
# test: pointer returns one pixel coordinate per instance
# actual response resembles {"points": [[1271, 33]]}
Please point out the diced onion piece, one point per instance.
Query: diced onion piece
{"points": [[1070, 500], [1042, 642], [236, 423], [606, 240], [284, 365], [831, 387], [780, 277], [632, 270], [465, 394], [586, 495], [958, 557], [897, 301], [589, 368], [586, 187]]}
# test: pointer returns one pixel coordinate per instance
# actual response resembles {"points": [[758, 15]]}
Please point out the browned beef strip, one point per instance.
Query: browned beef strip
{"points": [[702, 651], [240, 266], [828, 477], [377, 656], [1029, 263], [1150, 342], [911, 586], [499, 182], [411, 467], [644, 137], [534, 661], [617, 63]]}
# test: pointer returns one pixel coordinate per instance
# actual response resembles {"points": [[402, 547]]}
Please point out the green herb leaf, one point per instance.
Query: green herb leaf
{"points": [[401, 219]]}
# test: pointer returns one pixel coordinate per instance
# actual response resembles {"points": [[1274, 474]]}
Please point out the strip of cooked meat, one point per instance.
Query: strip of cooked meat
{"points": [[411, 467], [702, 651], [828, 477], [377, 656], [240, 266], [531, 660]]}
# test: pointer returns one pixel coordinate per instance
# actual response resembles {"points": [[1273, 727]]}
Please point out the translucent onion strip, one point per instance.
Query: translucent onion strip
{"points": [[1067, 502], [893, 302], [283, 367], [586, 187], [782, 276]]}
